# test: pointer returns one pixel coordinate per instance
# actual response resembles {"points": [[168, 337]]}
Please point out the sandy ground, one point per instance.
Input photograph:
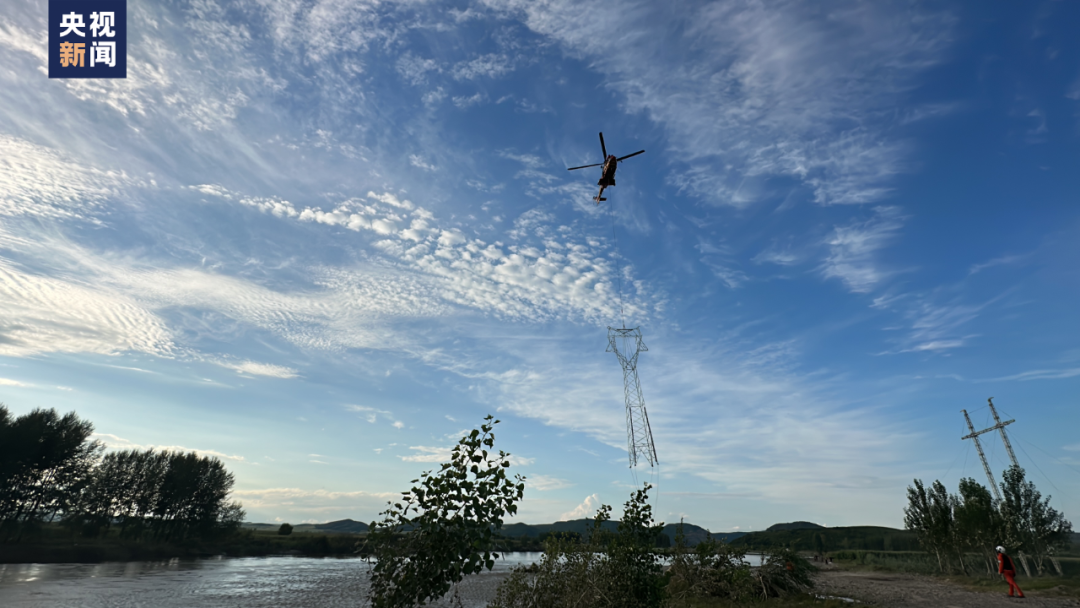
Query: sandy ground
{"points": [[896, 590]]}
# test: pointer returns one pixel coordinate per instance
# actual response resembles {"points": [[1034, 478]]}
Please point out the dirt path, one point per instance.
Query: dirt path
{"points": [[895, 590]]}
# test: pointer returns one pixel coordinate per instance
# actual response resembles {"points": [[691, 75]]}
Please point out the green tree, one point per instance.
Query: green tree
{"points": [[631, 557], [192, 498], [45, 461], [978, 522], [285, 530], [1030, 523], [929, 515], [444, 528], [171, 496]]}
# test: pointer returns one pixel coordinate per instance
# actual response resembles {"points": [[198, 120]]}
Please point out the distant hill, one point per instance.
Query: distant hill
{"points": [[795, 525], [874, 538], [694, 534], [342, 526]]}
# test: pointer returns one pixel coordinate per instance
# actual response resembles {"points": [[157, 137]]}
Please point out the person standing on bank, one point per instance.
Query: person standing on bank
{"points": [[1007, 568]]}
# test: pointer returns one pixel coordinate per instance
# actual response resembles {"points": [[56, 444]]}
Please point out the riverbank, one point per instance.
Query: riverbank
{"points": [[59, 549]]}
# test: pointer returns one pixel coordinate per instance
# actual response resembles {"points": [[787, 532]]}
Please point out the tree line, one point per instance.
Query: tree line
{"points": [[962, 530], [51, 471]]}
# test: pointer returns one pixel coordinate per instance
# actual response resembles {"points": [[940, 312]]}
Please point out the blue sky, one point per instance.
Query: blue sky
{"points": [[321, 239]]}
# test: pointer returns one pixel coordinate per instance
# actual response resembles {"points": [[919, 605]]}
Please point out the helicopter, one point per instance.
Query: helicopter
{"points": [[610, 164]]}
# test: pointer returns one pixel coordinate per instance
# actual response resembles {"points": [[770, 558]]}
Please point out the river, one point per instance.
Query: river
{"points": [[263, 582]]}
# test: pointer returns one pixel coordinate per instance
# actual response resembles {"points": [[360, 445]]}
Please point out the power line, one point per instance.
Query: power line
{"points": [[962, 450], [1032, 460], [618, 268]]}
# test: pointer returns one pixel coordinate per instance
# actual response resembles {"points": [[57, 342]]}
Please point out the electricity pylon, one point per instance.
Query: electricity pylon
{"points": [[1000, 427], [639, 438], [973, 435]]}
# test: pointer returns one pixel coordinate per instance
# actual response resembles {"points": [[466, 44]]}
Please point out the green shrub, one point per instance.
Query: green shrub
{"points": [[445, 527], [609, 570]]}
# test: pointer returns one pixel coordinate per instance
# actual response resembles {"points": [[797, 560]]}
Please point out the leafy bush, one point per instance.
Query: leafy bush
{"points": [[718, 570], [619, 569], [783, 573], [285, 530], [712, 570], [445, 527]]}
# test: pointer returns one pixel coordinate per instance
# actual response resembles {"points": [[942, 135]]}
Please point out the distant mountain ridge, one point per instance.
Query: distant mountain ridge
{"points": [[341, 526], [795, 525], [822, 539], [694, 534]]}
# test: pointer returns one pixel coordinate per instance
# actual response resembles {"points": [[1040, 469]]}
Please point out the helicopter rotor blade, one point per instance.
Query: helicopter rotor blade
{"points": [[584, 166], [602, 146], [629, 155]]}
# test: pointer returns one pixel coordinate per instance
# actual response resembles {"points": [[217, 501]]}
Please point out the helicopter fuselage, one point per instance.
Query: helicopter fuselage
{"points": [[608, 178]]}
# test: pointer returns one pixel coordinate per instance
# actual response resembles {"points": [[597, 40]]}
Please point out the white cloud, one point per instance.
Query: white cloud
{"points": [[45, 314], [531, 161], [564, 279], [414, 69], [371, 414], [434, 96], [419, 163], [779, 255], [1005, 260], [327, 504], [491, 65], [853, 247], [261, 369], [935, 321], [1039, 374], [757, 91], [472, 100], [586, 509], [519, 461], [45, 184], [119, 443], [544, 483], [10, 382], [428, 454]]}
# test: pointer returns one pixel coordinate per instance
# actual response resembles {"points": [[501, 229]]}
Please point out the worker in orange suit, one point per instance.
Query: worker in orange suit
{"points": [[1007, 568]]}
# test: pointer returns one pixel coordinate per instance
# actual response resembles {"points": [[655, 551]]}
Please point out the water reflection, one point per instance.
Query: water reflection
{"points": [[285, 582]]}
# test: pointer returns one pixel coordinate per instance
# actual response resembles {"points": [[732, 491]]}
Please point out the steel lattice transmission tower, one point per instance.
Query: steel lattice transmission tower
{"points": [[627, 344], [974, 436]]}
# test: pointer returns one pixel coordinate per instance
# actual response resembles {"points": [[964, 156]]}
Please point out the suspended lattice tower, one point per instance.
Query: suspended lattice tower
{"points": [[1000, 426], [973, 435], [627, 344]]}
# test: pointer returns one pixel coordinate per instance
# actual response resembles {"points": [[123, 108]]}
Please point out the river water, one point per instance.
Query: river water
{"points": [[263, 582], [254, 582]]}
